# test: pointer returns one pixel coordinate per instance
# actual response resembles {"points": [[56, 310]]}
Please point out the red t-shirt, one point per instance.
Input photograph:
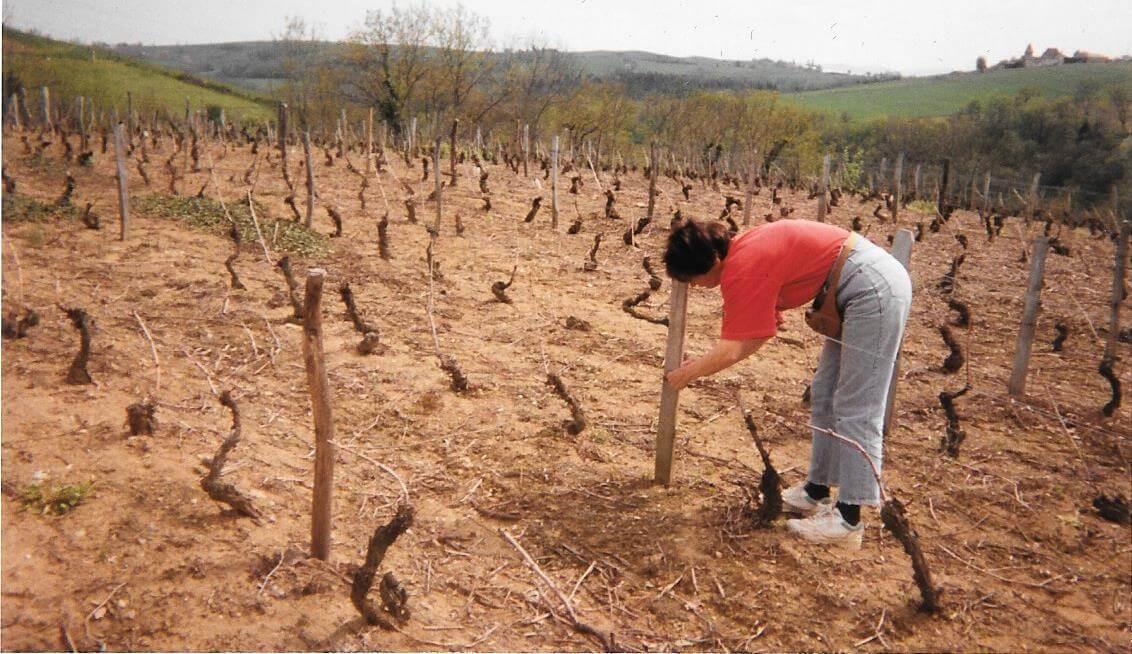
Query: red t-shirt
{"points": [[780, 265]]}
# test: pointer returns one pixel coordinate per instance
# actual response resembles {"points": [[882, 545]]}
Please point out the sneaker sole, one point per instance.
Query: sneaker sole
{"points": [[851, 542]]}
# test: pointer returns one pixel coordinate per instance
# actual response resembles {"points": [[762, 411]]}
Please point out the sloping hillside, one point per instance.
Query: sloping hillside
{"points": [[105, 77], [946, 94]]}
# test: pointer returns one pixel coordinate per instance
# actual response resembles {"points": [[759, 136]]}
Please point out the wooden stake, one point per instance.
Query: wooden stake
{"points": [[123, 180], [310, 178], [283, 137], [369, 142], [653, 166], [554, 184], [750, 190], [897, 186], [1118, 274], [823, 191], [986, 193], [1017, 385], [436, 176], [902, 252], [669, 397], [319, 387], [943, 187], [45, 95]]}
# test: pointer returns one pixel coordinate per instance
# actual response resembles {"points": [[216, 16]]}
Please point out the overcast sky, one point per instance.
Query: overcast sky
{"points": [[911, 36]]}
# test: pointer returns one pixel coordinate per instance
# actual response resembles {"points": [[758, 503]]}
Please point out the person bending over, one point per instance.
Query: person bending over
{"points": [[787, 264]]}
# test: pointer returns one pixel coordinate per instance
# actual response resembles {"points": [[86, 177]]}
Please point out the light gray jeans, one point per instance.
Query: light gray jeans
{"points": [[850, 387]]}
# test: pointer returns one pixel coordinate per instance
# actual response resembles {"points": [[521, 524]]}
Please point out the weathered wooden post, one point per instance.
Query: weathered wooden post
{"points": [[669, 397], [436, 176], [554, 183], [1017, 385], [750, 190], [451, 154], [123, 180], [943, 187], [1032, 197], [653, 166], [369, 142], [986, 193], [45, 95], [823, 189], [916, 182], [283, 137], [130, 119], [319, 388], [413, 138], [526, 147], [902, 252], [897, 186], [1118, 274], [83, 138], [310, 178]]}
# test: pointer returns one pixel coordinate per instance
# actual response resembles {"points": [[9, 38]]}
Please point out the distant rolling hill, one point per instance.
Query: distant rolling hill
{"points": [[946, 94], [70, 71], [260, 65]]}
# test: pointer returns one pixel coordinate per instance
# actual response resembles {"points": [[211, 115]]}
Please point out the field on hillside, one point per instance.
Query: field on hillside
{"points": [[947, 94], [106, 78], [137, 557]]}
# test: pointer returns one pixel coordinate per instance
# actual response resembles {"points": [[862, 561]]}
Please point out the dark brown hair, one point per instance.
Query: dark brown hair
{"points": [[693, 247]]}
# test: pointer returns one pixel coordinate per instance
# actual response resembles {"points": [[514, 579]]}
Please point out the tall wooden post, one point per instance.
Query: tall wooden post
{"points": [[750, 190], [897, 186], [986, 193], [902, 252], [1032, 197], [310, 178], [554, 183], [882, 175], [451, 152], [823, 189], [369, 142], [283, 136], [123, 180], [916, 183], [436, 175], [1118, 275], [943, 186], [1017, 385], [319, 388], [413, 138], [45, 95], [526, 147], [83, 138], [653, 166], [669, 397], [130, 119]]}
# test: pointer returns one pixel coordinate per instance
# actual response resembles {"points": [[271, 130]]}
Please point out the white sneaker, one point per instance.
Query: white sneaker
{"points": [[796, 500], [828, 528]]}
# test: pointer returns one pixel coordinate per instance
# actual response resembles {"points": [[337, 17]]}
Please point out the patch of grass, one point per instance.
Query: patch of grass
{"points": [[922, 206], [207, 215], [20, 208], [56, 500]]}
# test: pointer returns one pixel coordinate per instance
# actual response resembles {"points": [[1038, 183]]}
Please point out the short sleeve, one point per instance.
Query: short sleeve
{"points": [[749, 308]]}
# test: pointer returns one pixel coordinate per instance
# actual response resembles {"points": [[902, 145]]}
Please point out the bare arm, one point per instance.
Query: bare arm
{"points": [[724, 354]]}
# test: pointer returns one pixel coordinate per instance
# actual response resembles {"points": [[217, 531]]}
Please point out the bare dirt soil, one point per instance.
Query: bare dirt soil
{"points": [[147, 561]]}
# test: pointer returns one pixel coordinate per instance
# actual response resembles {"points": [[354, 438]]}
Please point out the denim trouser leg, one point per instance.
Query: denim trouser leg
{"points": [[850, 387]]}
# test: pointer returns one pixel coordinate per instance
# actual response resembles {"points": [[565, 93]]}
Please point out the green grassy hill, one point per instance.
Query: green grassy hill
{"points": [[947, 94], [70, 71]]}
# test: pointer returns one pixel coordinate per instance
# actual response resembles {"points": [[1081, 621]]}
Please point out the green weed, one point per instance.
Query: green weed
{"points": [[56, 500]]}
